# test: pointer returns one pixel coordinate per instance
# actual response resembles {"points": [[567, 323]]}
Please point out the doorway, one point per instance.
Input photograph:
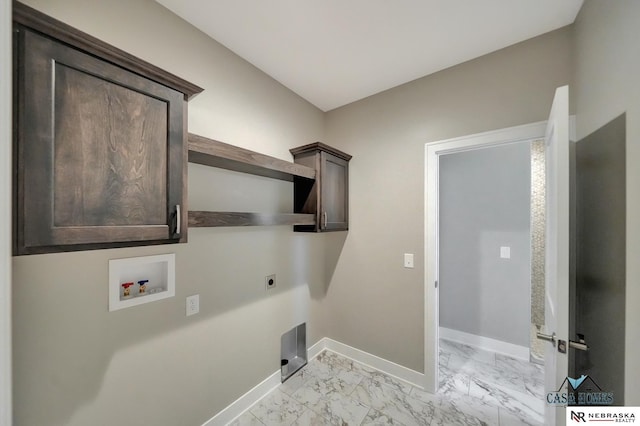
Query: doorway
{"points": [[598, 253], [433, 152], [483, 268]]}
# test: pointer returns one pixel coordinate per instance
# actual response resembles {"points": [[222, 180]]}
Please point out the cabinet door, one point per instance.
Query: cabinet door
{"points": [[99, 152], [334, 201]]}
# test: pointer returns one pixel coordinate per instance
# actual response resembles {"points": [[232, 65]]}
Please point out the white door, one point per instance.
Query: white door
{"points": [[5, 214], [557, 248]]}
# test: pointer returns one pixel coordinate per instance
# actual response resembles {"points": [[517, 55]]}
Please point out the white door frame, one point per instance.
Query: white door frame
{"points": [[432, 152], [5, 211]]}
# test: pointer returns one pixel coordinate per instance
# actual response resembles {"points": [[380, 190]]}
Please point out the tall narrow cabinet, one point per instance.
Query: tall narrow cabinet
{"points": [[327, 197]]}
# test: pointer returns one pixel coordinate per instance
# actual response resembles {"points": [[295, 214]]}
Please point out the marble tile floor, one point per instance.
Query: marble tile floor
{"points": [[477, 387]]}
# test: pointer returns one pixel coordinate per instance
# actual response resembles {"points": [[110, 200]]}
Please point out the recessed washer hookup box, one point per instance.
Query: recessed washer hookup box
{"points": [[293, 351]]}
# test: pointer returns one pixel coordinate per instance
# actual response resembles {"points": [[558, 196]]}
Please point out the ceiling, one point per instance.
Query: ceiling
{"points": [[334, 52]]}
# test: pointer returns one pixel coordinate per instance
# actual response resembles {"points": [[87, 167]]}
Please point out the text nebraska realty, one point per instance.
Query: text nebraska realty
{"points": [[604, 417]]}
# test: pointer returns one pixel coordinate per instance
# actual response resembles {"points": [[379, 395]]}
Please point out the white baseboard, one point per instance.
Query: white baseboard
{"points": [[494, 345], [246, 401], [316, 349], [391, 368]]}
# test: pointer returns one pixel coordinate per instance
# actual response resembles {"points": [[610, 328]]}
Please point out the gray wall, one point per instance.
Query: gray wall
{"points": [[375, 304], [607, 84], [76, 363], [485, 204]]}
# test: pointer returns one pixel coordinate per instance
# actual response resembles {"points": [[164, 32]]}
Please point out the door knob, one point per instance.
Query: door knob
{"points": [[548, 337], [580, 345]]}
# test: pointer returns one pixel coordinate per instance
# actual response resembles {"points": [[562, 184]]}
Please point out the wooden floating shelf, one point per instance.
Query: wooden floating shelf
{"points": [[214, 153], [218, 219]]}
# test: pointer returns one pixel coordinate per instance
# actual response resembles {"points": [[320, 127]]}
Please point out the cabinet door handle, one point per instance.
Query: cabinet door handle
{"points": [[178, 221], [324, 219]]}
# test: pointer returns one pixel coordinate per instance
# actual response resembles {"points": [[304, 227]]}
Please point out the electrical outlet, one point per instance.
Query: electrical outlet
{"points": [[193, 304], [270, 281]]}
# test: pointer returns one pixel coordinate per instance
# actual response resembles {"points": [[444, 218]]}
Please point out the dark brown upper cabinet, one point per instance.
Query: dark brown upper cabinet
{"points": [[100, 143], [328, 195]]}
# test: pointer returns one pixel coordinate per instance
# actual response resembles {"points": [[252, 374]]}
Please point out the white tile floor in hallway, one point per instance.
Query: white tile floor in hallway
{"points": [[477, 387]]}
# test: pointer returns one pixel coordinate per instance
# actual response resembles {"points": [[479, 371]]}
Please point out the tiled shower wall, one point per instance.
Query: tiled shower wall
{"points": [[537, 245]]}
